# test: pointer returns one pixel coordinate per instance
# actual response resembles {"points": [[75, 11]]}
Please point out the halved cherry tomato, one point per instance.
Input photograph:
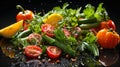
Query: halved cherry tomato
{"points": [[108, 38], [53, 52], [33, 51], [48, 29], [34, 38], [24, 15]]}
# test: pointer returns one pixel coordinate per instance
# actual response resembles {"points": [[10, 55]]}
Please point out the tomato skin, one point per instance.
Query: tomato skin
{"points": [[32, 51], [53, 52], [48, 29], [107, 39], [36, 37]]}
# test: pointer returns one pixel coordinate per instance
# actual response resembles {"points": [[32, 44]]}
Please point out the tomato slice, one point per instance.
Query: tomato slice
{"points": [[48, 29], [33, 51], [34, 38], [53, 52]]}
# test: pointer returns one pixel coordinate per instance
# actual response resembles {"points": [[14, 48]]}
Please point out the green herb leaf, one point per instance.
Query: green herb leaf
{"points": [[101, 13], [89, 11]]}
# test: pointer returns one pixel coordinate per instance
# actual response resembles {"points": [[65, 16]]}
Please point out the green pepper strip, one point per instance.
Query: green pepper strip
{"points": [[88, 26], [87, 21], [66, 48], [92, 47], [24, 33]]}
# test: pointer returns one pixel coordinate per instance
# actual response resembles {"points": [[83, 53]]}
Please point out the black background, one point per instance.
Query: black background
{"points": [[8, 9], [8, 12]]}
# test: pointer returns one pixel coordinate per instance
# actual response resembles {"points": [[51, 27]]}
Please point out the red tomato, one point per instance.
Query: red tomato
{"points": [[33, 51], [66, 32], [53, 52], [48, 29], [34, 38]]}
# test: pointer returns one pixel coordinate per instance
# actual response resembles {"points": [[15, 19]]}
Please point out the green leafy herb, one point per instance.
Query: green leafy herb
{"points": [[89, 11], [101, 13]]}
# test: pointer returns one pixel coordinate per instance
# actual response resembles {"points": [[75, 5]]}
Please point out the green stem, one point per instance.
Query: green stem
{"points": [[21, 8]]}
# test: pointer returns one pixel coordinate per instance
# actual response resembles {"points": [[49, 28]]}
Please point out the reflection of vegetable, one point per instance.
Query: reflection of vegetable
{"points": [[108, 38], [48, 29], [7, 48], [33, 51], [24, 15], [53, 52], [11, 30]]}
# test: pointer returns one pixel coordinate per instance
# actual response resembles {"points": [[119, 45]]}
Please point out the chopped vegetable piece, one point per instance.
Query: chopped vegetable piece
{"points": [[48, 29], [53, 19], [11, 30], [53, 52], [33, 51]]}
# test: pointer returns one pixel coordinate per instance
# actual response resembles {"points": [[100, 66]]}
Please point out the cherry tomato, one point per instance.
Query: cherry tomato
{"points": [[53, 52], [66, 32], [107, 38], [24, 15], [48, 29], [32, 51], [34, 38]]}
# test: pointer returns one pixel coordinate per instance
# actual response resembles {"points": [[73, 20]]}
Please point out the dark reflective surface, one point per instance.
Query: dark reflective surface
{"points": [[8, 13]]}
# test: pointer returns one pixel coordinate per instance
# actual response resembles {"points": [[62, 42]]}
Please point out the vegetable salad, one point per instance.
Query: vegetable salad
{"points": [[66, 32]]}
